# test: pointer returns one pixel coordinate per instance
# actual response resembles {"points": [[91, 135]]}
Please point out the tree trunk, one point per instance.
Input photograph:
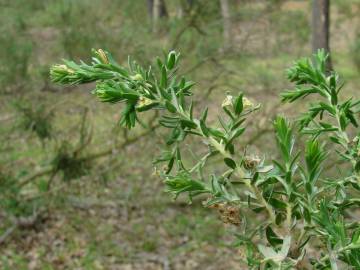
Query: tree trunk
{"points": [[320, 28], [185, 7], [150, 4], [163, 9], [225, 12], [180, 9], [158, 11]]}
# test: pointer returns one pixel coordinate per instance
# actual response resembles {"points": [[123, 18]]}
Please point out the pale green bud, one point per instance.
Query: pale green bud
{"points": [[137, 77]]}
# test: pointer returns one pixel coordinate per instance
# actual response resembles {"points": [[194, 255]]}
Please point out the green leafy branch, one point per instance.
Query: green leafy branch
{"points": [[141, 90], [290, 191]]}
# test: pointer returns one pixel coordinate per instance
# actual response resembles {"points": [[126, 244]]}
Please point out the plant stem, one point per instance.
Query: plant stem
{"points": [[254, 189]]}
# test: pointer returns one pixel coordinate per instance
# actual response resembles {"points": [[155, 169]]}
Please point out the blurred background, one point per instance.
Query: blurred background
{"points": [[76, 189]]}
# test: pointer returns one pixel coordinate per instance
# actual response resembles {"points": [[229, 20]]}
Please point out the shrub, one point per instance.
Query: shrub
{"points": [[289, 213], [36, 120]]}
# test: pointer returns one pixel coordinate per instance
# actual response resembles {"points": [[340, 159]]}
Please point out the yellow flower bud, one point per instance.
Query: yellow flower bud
{"points": [[227, 101], [247, 104], [144, 101], [103, 57], [156, 172]]}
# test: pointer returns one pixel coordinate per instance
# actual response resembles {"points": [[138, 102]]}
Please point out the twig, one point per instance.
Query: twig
{"points": [[20, 222], [42, 172], [119, 146], [51, 169], [7, 233]]}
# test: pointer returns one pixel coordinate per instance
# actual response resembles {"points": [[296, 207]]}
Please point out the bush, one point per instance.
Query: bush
{"points": [[289, 212]]}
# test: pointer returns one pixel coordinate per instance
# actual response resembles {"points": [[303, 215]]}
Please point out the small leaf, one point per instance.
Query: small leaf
{"points": [[188, 123], [343, 122], [204, 114], [238, 104], [277, 203], [216, 133], [272, 238], [163, 82], [170, 107], [171, 60], [357, 166], [159, 63], [255, 178], [204, 128], [230, 163]]}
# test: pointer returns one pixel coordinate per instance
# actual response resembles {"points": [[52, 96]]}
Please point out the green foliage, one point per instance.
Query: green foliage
{"points": [[183, 183], [35, 119], [67, 162], [294, 198]]}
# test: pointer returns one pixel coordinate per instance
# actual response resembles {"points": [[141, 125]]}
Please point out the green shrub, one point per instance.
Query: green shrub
{"points": [[289, 212], [35, 119]]}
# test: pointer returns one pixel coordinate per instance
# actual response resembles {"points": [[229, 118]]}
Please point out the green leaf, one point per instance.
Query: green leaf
{"points": [[191, 108], [183, 182], [216, 133], [343, 122], [314, 157], [188, 123], [238, 104], [147, 107], [204, 114], [236, 134], [159, 63], [357, 166], [307, 215], [171, 60], [230, 163], [170, 107], [284, 137], [277, 203], [237, 124], [163, 81], [204, 128], [299, 92]]}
